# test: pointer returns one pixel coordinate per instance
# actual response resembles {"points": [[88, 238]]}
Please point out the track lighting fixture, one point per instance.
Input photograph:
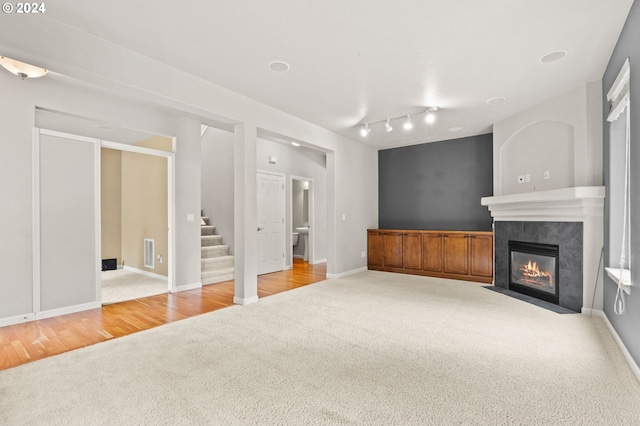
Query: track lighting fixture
{"points": [[407, 125]]}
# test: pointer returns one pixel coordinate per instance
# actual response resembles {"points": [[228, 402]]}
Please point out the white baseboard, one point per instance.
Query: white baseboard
{"points": [[244, 301], [298, 256], [347, 273], [317, 261], [143, 272], [67, 310], [627, 356], [18, 319], [186, 287]]}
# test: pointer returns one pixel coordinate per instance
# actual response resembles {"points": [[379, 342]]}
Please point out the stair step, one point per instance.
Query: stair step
{"points": [[214, 251], [204, 219], [218, 276], [207, 230], [210, 240], [217, 263]]}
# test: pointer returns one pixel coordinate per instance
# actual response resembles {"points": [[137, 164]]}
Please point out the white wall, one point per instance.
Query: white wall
{"points": [[562, 135], [303, 163]]}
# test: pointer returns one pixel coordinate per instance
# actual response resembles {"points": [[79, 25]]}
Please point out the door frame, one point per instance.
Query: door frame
{"points": [[283, 202], [170, 156], [311, 207]]}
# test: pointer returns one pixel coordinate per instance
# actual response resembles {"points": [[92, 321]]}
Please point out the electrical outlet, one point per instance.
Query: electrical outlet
{"points": [[547, 174], [363, 254], [521, 179]]}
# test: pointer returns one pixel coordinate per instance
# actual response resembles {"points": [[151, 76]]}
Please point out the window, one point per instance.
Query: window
{"points": [[618, 190]]}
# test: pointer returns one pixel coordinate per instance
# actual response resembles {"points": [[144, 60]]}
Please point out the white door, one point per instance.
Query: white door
{"points": [[68, 237], [271, 238]]}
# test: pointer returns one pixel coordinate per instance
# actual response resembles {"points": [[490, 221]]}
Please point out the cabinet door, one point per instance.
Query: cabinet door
{"points": [[413, 251], [375, 249], [432, 252], [393, 250], [456, 255], [481, 255]]}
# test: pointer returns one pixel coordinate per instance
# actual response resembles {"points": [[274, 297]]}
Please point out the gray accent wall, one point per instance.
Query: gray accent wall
{"points": [[625, 325], [436, 185]]}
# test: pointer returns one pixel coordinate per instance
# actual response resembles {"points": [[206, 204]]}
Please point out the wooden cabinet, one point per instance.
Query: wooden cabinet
{"points": [[455, 253], [413, 250], [481, 256], [446, 254], [432, 252]]}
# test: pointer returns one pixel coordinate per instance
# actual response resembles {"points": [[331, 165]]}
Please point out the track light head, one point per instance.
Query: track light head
{"points": [[387, 126], [431, 116], [408, 125], [364, 131]]}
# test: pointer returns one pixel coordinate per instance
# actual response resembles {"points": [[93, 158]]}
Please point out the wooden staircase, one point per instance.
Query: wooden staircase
{"points": [[217, 263]]}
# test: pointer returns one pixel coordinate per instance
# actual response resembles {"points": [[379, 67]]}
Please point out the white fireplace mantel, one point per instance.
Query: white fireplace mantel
{"points": [[566, 204]]}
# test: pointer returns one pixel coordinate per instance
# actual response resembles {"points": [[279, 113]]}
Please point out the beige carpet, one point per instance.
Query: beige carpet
{"points": [[120, 285], [374, 348]]}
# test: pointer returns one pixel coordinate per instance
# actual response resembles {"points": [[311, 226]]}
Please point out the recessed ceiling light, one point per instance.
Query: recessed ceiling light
{"points": [[103, 127], [496, 100], [279, 66], [553, 56], [295, 144], [455, 129]]}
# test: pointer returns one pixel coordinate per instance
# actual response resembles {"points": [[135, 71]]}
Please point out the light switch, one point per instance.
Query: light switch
{"points": [[190, 217], [547, 174], [527, 178]]}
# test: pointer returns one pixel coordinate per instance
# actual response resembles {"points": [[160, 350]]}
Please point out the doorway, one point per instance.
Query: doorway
{"points": [[302, 228]]}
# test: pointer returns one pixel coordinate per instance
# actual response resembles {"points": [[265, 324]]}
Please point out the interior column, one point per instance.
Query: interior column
{"points": [[246, 214]]}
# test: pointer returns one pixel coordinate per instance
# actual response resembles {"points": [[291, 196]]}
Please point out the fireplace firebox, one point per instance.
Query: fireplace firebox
{"points": [[534, 270]]}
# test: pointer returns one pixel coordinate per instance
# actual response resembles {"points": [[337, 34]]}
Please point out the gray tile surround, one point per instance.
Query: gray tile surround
{"points": [[567, 235]]}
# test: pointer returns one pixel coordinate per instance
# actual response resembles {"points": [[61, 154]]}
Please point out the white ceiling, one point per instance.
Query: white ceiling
{"points": [[357, 61]]}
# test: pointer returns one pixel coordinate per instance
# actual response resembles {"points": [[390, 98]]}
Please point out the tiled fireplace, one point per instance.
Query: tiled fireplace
{"points": [[566, 220], [565, 276]]}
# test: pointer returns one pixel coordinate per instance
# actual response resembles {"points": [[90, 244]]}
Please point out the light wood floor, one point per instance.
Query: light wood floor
{"points": [[31, 341]]}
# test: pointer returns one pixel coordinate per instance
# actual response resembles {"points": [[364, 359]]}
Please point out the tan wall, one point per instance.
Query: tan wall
{"points": [[145, 206], [160, 143], [111, 196]]}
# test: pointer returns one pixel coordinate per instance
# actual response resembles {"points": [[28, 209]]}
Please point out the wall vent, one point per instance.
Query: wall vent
{"points": [[148, 253]]}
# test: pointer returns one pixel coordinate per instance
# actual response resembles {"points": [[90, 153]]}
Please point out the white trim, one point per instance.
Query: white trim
{"points": [[311, 222], [627, 356], [622, 278], [97, 224], [67, 310], [136, 149], [618, 88], [171, 249], [347, 273], [186, 287], [35, 217], [18, 319], [244, 301], [298, 256], [147, 273], [318, 261], [68, 136]]}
